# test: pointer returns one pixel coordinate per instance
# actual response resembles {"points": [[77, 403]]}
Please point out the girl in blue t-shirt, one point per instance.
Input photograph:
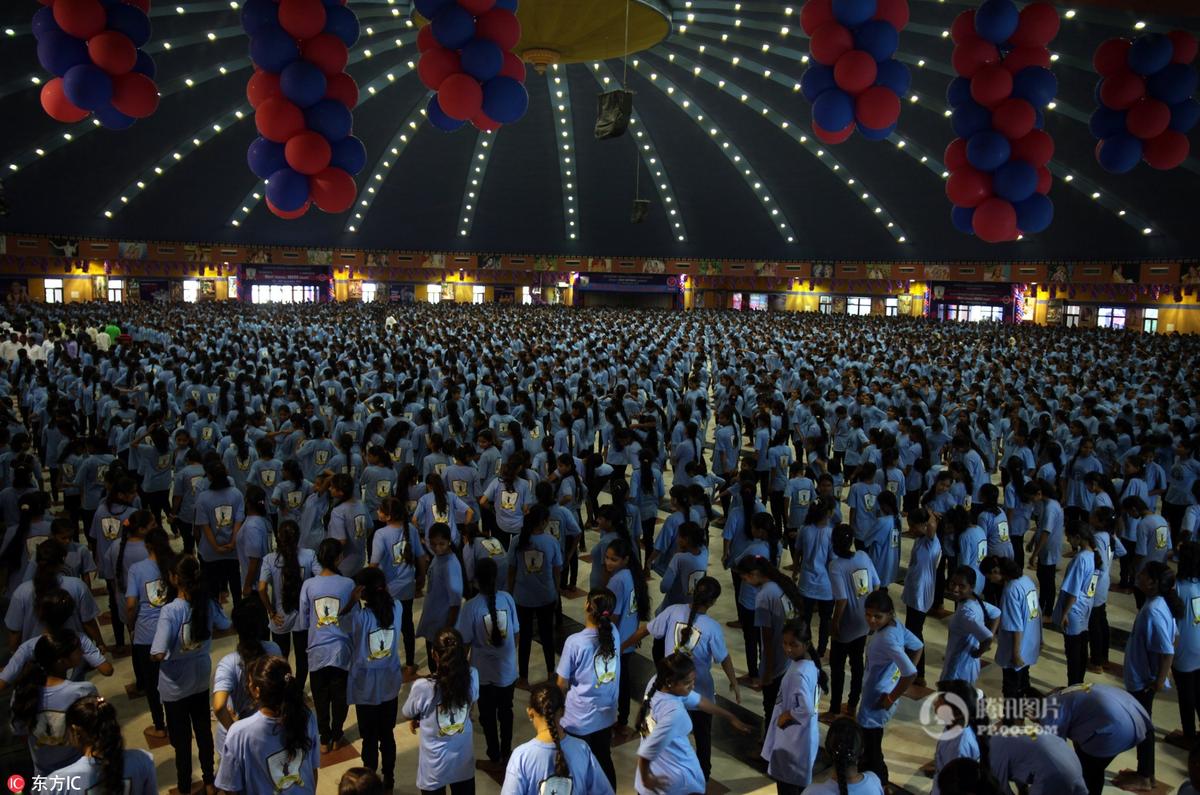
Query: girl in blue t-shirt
{"points": [[971, 629], [630, 608], [44, 689], [793, 734], [552, 761], [812, 553], [844, 744], [1073, 609], [324, 600], [106, 765], [589, 675], [375, 671], [890, 669], [1185, 668], [921, 577], [1019, 642], [958, 701], [534, 571], [282, 575], [851, 576], [397, 551], [439, 710]]}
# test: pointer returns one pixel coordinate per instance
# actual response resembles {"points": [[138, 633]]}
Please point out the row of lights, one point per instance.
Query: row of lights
{"points": [[564, 144], [474, 187], [383, 167]]}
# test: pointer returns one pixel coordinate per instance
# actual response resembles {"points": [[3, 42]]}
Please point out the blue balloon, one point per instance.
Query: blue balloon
{"points": [[1174, 83], [431, 8], [958, 93], [453, 27], [303, 83], [113, 119], [1039, 118], [1034, 214], [265, 157], [43, 22], [988, 150], [88, 87], [996, 20], [1185, 115], [145, 65], [1120, 154], [1106, 122], [131, 21], [852, 13], [894, 75], [58, 52], [1015, 181], [438, 118], [341, 22], [508, 5], [971, 118], [878, 38], [287, 189], [349, 155], [482, 59], [833, 110], [816, 80], [505, 99], [876, 135], [963, 219], [273, 49], [1036, 84], [1150, 53], [259, 15], [330, 118]]}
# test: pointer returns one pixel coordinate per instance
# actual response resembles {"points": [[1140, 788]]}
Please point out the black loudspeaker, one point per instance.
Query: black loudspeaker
{"points": [[640, 208], [614, 113]]}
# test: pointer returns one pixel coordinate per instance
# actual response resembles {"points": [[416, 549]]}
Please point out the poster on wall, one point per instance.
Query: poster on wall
{"points": [[505, 295], [839, 305], [208, 290], [400, 293], [904, 305], [997, 273], [150, 289], [699, 300], [1054, 313], [354, 291], [1087, 316], [15, 291]]}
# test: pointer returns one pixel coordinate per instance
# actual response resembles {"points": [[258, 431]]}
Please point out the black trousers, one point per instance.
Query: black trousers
{"points": [[1145, 749], [770, 694], [787, 789], [702, 731], [777, 509], [159, 504], [841, 654], [496, 719], [145, 672], [457, 788], [329, 697], [824, 610], [1173, 513], [872, 758], [408, 631], [1187, 685], [545, 629], [184, 717], [1014, 684], [601, 744], [1076, 647], [945, 566], [187, 532], [222, 574], [377, 725], [1128, 564], [1098, 634], [914, 622], [750, 636], [115, 600], [285, 644], [1046, 590], [647, 536], [1018, 545], [1093, 770], [625, 687]]}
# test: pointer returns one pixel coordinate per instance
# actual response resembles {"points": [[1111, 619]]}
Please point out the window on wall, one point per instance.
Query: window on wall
{"points": [[857, 305], [526, 295], [1150, 320], [54, 290], [283, 294], [116, 290], [1072, 315], [434, 293], [478, 294], [1110, 317], [191, 291], [231, 286], [891, 306], [758, 302], [369, 291], [825, 304]]}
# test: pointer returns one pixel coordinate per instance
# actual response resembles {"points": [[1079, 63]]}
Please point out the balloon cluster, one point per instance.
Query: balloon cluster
{"points": [[302, 98], [855, 82], [1145, 96], [93, 49], [999, 176], [467, 61]]}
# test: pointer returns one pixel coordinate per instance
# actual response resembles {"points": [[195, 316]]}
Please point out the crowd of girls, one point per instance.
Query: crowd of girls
{"points": [[344, 480]]}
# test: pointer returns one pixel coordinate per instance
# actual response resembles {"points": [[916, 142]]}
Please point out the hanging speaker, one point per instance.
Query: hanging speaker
{"points": [[615, 109], [641, 207]]}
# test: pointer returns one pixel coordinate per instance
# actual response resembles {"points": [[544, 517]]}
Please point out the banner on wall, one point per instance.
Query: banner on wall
{"points": [[627, 283], [974, 292], [401, 293], [284, 273], [153, 290], [505, 295], [1054, 313], [14, 291]]}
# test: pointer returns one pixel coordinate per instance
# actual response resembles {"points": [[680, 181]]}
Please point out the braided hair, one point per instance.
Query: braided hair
{"points": [[800, 629], [280, 692], [187, 573], [96, 724], [51, 655], [704, 596], [486, 572], [249, 619], [50, 556], [622, 548], [547, 701], [844, 744], [601, 604], [136, 524], [671, 670], [453, 676], [376, 595]]}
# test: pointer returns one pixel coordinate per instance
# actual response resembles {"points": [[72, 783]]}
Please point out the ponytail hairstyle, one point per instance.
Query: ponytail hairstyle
{"points": [[693, 534], [819, 510], [55, 608], [292, 473], [343, 483], [704, 595], [1164, 580], [671, 670], [280, 692], [1008, 568], [29, 506], [187, 572], [396, 510], [534, 520], [119, 483], [844, 744], [967, 575], [1082, 532], [256, 500], [238, 434], [51, 656], [568, 460], [137, 523], [95, 723], [437, 487], [697, 495], [328, 552], [547, 701], [747, 488], [159, 544], [601, 604], [800, 629], [989, 499], [49, 558], [453, 676], [287, 557], [218, 477], [376, 596], [623, 548], [764, 567], [966, 778], [249, 619], [486, 572], [842, 541]]}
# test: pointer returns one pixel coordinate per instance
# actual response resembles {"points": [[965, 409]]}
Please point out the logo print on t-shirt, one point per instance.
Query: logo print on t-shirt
{"points": [[163, 462], [320, 457], [459, 487], [693, 637], [360, 525], [31, 545], [1162, 537], [285, 769], [508, 500], [1091, 586], [327, 608], [440, 469], [492, 546], [868, 500], [195, 483], [534, 560], [452, 721], [1031, 605], [224, 515], [694, 578], [1196, 609], [398, 550], [803, 498], [380, 642], [861, 582], [383, 488], [980, 551], [554, 526], [185, 637], [110, 526], [50, 728], [268, 477], [295, 499], [604, 669], [501, 621], [789, 609], [206, 433], [556, 785], [102, 473], [156, 593], [1002, 530], [893, 486]]}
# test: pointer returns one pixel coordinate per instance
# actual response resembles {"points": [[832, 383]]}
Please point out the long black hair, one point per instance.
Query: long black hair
{"points": [[250, 621], [962, 698], [376, 595], [486, 572], [453, 675], [280, 692], [97, 726], [51, 655], [187, 572], [601, 603], [136, 524], [704, 595], [547, 701], [49, 559], [844, 744], [802, 631], [622, 548], [287, 557], [536, 518], [670, 670], [29, 505], [764, 567], [1164, 579]]}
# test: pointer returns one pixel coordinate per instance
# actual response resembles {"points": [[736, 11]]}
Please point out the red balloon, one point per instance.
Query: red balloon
{"points": [[1122, 90], [956, 155], [1045, 180], [1167, 150], [995, 221], [1109, 58], [894, 12], [436, 64], [302, 19], [286, 215], [499, 25], [141, 5], [333, 190], [261, 87], [855, 71], [1014, 118], [513, 67], [829, 43], [327, 51], [57, 106], [425, 38], [278, 120], [135, 95], [963, 28], [815, 14], [485, 123], [1022, 57], [832, 138], [1036, 147], [969, 187], [991, 85], [972, 55], [877, 108], [1148, 118], [113, 52], [477, 7], [1037, 27], [342, 88], [461, 97], [1185, 46], [80, 18], [308, 152]]}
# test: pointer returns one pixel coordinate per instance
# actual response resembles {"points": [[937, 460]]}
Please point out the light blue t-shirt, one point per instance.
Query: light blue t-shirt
{"points": [[139, 774], [1080, 581], [389, 549], [1020, 611], [1102, 720], [887, 663], [322, 602], [868, 786], [667, 747], [1047, 763], [625, 614], [186, 668], [535, 584], [682, 574], [48, 742], [230, 677], [1050, 522], [145, 583], [813, 543], [221, 511], [272, 571], [920, 579], [255, 760], [967, 630], [496, 665], [350, 523], [591, 703], [705, 643], [443, 592], [773, 609], [376, 672], [1187, 653], [1152, 636], [852, 579], [446, 735], [253, 541], [791, 752], [530, 770]]}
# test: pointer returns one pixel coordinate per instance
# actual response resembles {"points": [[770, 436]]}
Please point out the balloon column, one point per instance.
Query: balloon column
{"points": [[467, 61], [998, 163], [93, 48], [1146, 105], [855, 81], [302, 98]]}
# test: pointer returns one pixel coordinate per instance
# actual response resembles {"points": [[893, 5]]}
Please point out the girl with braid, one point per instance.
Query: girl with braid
{"points": [[488, 624], [439, 708], [106, 765], [588, 674], [552, 762], [793, 735], [844, 744]]}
